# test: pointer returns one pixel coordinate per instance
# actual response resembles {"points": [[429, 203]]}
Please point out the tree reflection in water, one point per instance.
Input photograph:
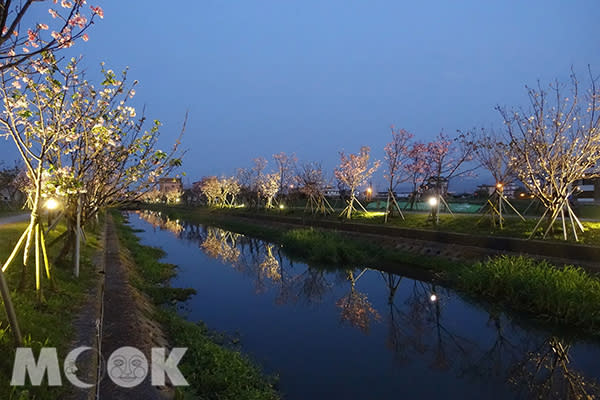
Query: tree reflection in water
{"points": [[545, 373], [416, 329], [355, 307]]}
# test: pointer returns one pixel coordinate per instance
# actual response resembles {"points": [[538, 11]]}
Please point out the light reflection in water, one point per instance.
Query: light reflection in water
{"points": [[418, 328]]}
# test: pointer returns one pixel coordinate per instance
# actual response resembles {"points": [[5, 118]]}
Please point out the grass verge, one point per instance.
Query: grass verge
{"points": [[46, 323], [514, 227], [566, 296], [213, 370]]}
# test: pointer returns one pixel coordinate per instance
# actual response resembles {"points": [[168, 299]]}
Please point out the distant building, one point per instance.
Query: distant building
{"points": [[331, 191], [509, 190], [168, 186], [588, 190]]}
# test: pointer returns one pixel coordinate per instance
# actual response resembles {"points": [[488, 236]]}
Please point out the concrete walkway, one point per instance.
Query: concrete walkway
{"points": [[14, 218]]}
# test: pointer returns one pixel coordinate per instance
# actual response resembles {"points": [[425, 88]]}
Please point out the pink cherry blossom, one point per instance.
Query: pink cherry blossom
{"points": [[98, 11]]}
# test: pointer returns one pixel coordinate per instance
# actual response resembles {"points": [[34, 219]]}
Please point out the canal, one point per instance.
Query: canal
{"points": [[356, 332]]}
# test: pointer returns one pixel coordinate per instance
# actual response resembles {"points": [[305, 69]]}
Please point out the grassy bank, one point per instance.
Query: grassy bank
{"points": [[47, 323], [564, 295], [214, 371], [459, 223]]}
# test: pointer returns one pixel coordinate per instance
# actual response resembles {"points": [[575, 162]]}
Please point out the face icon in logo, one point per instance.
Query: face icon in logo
{"points": [[127, 367]]}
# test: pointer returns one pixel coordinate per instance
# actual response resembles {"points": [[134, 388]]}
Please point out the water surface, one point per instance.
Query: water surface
{"points": [[360, 333]]}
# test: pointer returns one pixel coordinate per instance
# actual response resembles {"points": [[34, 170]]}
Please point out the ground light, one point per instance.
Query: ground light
{"points": [[281, 206], [51, 204], [432, 201]]}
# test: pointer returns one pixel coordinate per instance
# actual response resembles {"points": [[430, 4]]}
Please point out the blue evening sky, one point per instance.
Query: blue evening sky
{"points": [[315, 77]]}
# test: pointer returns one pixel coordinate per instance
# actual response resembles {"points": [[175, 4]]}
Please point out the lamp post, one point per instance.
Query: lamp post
{"points": [[50, 205], [434, 204]]}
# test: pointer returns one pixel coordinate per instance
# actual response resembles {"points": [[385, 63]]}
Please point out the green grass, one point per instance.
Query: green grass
{"points": [[564, 296], [46, 323], [567, 295], [459, 223], [213, 370]]}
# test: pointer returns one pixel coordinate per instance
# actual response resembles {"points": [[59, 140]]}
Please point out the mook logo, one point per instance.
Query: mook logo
{"points": [[126, 367]]}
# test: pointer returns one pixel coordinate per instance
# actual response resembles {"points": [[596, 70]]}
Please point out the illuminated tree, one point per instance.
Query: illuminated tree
{"points": [[268, 186], [286, 164], [493, 155], [312, 184], [354, 172], [61, 29], [446, 157], [230, 188], [395, 155], [211, 189], [416, 168], [553, 144], [79, 143]]}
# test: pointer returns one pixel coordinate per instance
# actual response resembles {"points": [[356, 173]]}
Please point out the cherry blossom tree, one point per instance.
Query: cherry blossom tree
{"points": [[108, 154], [79, 143], [492, 153], [65, 24], [257, 177], [211, 189], [230, 189], [268, 187], [554, 143], [416, 168], [354, 172], [396, 153], [313, 184], [446, 158], [286, 164]]}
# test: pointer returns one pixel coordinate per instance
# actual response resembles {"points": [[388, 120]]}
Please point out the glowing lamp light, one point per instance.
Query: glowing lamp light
{"points": [[281, 206], [433, 298], [369, 190], [499, 185], [51, 204], [522, 195], [432, 201]]}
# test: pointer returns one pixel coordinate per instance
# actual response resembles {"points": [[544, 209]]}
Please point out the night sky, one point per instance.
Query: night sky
{"points": [[316, 77]]}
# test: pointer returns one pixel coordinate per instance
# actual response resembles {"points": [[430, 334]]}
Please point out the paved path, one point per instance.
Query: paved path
{"points": [[14, 218], [124, 324]]}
